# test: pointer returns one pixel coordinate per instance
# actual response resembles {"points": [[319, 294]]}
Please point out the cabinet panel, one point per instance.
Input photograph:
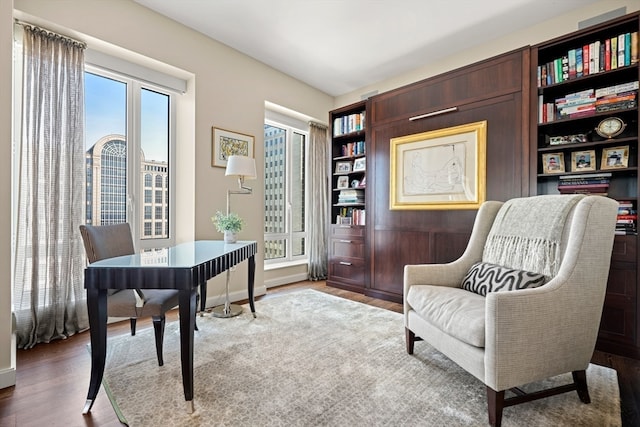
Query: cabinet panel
{"points": [[347, 248], [619, 313]]}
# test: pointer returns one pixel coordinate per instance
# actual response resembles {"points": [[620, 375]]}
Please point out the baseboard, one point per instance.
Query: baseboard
{"points": [[285, 280], [7, 378], [216, 300]]}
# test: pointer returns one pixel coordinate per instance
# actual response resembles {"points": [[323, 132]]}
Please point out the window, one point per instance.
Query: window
{"points": [[285, 192], [128, 140]]}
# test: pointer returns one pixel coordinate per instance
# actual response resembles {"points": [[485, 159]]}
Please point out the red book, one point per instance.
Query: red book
{"points": [[585, 60], [607, 54]]}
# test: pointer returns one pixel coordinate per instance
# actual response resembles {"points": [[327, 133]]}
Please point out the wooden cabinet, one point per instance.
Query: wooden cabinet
{"points": [[348, 171], [571, 99]]}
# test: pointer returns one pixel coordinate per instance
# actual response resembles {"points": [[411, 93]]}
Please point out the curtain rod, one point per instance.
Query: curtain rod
{"points": [[50, 33]]}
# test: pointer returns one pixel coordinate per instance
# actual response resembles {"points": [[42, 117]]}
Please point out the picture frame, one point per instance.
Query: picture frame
{"points": [[360, 164], [343, 182], [345, 220], [226, 143], [439, 169], [553, 163], [583, 160], [615, 157], [343, 167]]}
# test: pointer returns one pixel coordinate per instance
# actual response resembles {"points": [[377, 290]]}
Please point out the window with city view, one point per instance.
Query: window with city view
{"points": [[127, 142], [284, 192]]}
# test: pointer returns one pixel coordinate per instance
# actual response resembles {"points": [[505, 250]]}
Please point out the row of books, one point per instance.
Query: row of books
{"points": [[352, 149], [592, 58], [351, 196], [589, 102], [589, 183], [627, 220], [348, 124], [351, 216]]}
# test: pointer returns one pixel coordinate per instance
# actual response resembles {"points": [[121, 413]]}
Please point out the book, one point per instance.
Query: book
{"points": [[614, 53], [634, 47]]}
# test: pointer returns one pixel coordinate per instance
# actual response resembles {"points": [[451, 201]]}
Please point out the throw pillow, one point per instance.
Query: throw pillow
{"points": [[483, 278]]}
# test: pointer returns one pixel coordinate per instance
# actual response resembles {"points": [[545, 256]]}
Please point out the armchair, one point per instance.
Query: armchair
{"points": [[510, 338], [108, 241]]}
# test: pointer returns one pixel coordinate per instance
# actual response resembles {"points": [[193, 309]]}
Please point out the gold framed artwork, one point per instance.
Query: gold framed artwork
{"points": [[583, 160], [226, 143], [553, 163], [615, 157], [439, 169]]}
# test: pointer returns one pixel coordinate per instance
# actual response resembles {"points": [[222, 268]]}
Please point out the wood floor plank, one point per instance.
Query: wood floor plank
{"points": [[53, 379]]}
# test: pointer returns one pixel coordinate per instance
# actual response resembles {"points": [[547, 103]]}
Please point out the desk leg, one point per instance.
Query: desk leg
{"points": [[251, 264], [97, 310], [187, 308]]}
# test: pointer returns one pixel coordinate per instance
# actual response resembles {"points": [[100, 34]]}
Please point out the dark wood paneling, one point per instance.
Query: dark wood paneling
{"points": [[401, 237]]}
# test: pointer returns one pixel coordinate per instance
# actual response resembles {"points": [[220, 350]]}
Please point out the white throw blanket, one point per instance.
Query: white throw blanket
{"points": [[526, 233]]}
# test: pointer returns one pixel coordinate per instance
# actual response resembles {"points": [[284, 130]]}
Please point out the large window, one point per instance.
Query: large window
{"points": [[128, 140], [285, 169]]}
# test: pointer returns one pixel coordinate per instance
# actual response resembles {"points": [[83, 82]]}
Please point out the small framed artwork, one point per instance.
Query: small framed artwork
{"points": [[343, 182], [553, 163], [359, 164], [226, 143], [344, 220], [615, 157], [583, 160], [343, 167]]}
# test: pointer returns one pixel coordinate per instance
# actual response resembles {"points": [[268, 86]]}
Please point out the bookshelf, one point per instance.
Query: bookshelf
{"points": [[585, 140], [348, 197]]}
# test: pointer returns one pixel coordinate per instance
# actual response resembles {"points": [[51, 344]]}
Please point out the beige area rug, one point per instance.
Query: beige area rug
{"points": [[312, 359]]}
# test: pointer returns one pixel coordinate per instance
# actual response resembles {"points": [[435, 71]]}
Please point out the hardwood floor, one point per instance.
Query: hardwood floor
{"points": [[52, 379]]}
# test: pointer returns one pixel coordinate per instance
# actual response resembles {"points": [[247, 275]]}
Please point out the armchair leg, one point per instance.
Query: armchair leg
{"points": [[132, 321], [580, 379], [495, 405], [410, 339], [158, 326]]}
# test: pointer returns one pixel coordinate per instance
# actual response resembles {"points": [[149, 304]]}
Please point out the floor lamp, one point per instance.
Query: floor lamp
{"points": [[244, 168]]}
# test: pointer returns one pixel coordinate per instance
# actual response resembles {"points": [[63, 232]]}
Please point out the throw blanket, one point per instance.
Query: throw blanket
{"points": [[527, 231]]}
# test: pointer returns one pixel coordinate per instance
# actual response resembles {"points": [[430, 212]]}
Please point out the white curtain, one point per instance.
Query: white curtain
{"points": [[49, 298], [318, 182]]}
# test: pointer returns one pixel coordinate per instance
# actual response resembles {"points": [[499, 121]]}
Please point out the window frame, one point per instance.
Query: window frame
{"points": [[290, 126], [136, 192]]}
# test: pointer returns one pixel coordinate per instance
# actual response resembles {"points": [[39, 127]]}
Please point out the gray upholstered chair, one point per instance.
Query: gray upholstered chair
{"points": [[510, 338], [108, 241]]}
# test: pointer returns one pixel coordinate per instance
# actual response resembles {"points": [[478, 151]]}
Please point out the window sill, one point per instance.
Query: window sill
{"points": [[277, 266]]}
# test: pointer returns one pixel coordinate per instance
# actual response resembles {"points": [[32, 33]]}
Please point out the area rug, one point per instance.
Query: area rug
{"points": [[313, 359]]}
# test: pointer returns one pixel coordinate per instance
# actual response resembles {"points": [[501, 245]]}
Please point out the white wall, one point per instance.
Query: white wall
{"points": [[547, 30]]}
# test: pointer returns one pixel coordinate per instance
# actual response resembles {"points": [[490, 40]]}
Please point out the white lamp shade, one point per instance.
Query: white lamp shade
{"points": [[241, 166]]}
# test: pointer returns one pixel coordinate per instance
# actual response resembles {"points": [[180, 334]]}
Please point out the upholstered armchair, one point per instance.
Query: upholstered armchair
{"points": [[524, 301], [108, 241]]}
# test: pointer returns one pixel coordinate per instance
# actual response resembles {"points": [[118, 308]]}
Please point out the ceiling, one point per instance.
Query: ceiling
{"points": [[339, 46]]}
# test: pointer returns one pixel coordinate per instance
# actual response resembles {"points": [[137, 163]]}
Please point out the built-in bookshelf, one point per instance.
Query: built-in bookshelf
{"points": [[585, 140], [348, 192]]}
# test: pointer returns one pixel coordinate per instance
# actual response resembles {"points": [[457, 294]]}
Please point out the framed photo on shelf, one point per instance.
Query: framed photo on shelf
{"points": [[344, 220], [226, 143], [359, 164], [553, 163], [343, 182], [343, 167], [615, 157], [583, 160]]}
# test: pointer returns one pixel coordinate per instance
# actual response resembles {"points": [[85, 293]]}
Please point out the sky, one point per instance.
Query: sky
{"points": [[105, 114]]}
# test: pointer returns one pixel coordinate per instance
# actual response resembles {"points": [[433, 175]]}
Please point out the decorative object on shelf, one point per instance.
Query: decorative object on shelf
{"points": [[244, 168], [355, 183], [610, 127], [583, 160], [343, 167], [230, 224], [226, 143], [567, 139], [343, 182], [615, 157], [553, 163], [440, 169], [359, 164]]}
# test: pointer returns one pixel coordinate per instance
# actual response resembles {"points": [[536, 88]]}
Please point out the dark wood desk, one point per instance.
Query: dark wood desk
{"points": [[185, 267]]}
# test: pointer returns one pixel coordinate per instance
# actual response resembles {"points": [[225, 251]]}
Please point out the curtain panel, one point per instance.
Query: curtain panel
{"points": [[49, 297], [318, 183]]}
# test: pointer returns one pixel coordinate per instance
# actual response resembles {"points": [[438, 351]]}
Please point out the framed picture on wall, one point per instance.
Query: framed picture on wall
{"points": [[226, 143]]}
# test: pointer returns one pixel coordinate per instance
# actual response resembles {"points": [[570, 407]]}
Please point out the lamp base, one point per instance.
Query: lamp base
{"points": [[223, 311]]}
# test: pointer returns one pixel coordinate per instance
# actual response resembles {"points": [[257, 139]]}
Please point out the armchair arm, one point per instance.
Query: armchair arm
{"points": [[538, 333]]}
